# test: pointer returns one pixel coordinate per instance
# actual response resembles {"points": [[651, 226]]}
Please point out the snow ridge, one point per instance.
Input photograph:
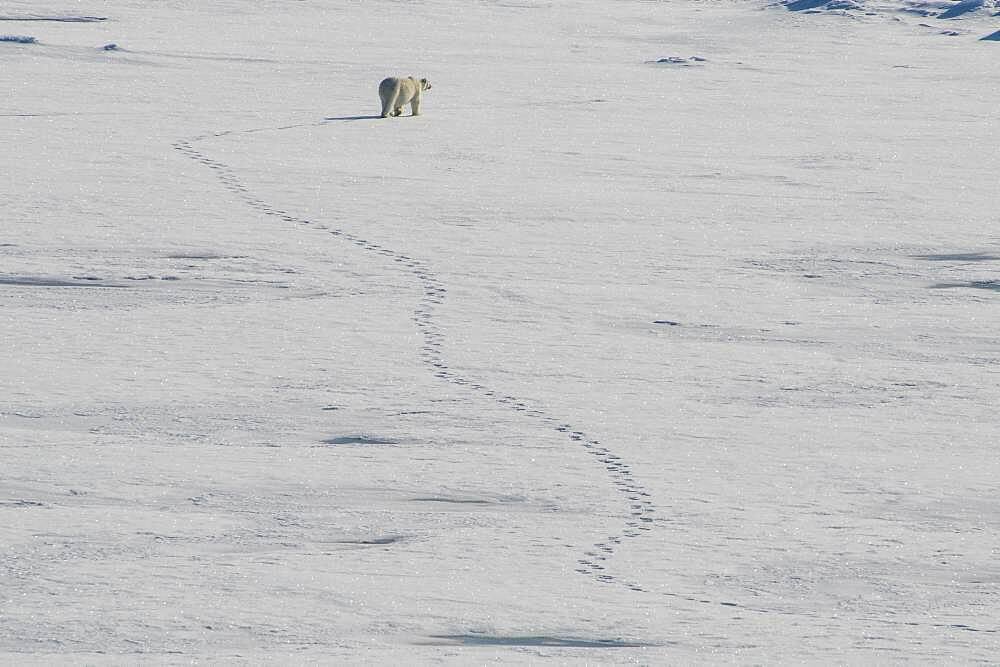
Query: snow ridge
{"points": [[639, 516], [941, 9]]}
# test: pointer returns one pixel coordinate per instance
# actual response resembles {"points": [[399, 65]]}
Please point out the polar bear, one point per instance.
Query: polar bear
{"points": [[397, 91]]}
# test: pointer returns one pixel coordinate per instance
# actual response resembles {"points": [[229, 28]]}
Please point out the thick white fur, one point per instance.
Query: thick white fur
{"points": [[399, 91]]}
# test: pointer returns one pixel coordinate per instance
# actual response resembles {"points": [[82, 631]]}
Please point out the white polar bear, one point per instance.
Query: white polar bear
{"points": [[397, 91]]}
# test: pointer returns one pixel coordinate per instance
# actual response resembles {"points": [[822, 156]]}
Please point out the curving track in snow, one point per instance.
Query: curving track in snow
{"points": [[640, 508]]}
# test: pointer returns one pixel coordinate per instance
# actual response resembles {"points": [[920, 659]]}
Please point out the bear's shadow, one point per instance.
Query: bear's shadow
{"points": [[352, 117]]}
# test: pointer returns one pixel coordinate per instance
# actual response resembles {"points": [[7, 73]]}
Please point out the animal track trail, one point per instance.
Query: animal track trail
{"points": [[640, 508]]}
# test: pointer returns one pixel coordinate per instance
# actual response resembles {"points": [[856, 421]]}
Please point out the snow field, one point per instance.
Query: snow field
{"points": [[283, 380]]}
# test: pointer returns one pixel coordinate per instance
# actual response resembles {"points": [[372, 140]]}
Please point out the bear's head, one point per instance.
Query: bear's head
{"points": [[425, 84]]}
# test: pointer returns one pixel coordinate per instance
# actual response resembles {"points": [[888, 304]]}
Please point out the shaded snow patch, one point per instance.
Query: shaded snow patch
{"points": [[459, 501], [374, 541], [49, 281], [61, 18], [360, 439], [993, 285], [948, 9], [962, 8], [959, 257], [21, 503], [534, 640], [677, 60], [18, 39], [942, 9], [822, 5], [208, 254]]}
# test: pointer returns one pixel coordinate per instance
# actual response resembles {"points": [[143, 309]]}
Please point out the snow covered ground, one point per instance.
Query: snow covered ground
{"points": [[667, 334]]}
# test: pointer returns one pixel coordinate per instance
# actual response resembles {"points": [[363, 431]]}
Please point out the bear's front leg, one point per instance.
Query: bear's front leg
{"points": [[415, 107]]}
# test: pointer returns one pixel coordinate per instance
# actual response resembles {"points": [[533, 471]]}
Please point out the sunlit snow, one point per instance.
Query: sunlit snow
{"points": [[666, 334]]}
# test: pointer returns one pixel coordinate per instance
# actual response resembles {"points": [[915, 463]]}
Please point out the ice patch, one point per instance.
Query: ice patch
{"points": [[18, 39]]}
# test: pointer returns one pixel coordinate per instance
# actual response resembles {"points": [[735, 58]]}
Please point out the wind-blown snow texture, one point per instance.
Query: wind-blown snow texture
{"points": [[666, 334]]}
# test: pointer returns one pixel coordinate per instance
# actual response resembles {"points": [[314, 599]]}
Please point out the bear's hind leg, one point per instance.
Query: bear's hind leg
{"points": [[389, 103]]}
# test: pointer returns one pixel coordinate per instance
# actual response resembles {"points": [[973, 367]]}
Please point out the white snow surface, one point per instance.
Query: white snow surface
{"points": [[601, 359]]}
